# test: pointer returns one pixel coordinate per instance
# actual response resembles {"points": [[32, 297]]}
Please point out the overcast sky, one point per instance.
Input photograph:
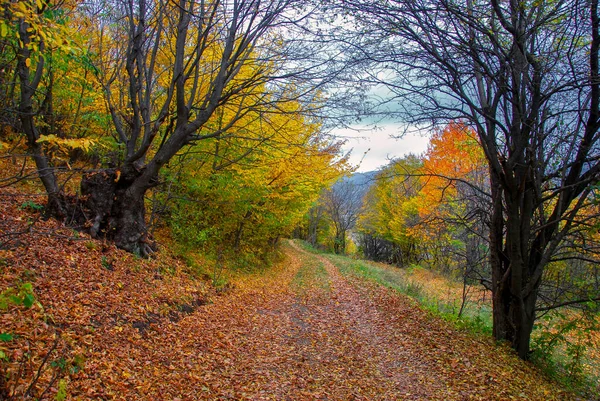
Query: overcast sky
{"points": [[373, 148]]}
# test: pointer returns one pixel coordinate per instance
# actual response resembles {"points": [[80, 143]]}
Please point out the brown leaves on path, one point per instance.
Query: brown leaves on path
{"points": [[133, 329], [400, 352]]}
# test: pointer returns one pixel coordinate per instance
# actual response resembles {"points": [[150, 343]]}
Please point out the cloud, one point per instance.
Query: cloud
{"points": [[373, 148]]}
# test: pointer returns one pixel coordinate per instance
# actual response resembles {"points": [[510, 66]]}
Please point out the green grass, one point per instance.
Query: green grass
{"points": [[311, 275]]}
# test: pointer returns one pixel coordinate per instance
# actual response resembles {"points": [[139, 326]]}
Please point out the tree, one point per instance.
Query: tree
{"points": [[32, 31], [342, 203], [167, 68], [314, 221], [389, 219], [454, 205], [454, 200], [240, 194], [524, 75]]}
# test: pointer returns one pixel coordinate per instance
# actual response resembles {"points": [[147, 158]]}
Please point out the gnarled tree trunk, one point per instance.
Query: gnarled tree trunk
{"points": [[116, 199]]}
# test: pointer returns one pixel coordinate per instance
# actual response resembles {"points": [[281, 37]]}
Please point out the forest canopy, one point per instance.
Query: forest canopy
{"points": [[193, 101]]}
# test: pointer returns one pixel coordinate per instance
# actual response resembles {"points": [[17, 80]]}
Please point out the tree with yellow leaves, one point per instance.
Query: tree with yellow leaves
{"points": [[243, 190], [168, 69], [389, 218], [37, 38]]}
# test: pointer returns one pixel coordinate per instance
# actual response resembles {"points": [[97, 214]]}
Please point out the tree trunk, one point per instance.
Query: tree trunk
{"points": [[28, 85], [514, 316], [314, 218], [514, 298], [116, 200], [498, 262], [339, 243]]}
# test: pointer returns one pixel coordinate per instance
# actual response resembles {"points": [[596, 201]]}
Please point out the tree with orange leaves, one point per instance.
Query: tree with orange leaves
{"points": [[453, 201]]}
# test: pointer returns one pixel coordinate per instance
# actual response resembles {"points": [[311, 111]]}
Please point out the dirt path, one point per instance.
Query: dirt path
{"points": [[115, 327], [307, 332], [302, 330]]}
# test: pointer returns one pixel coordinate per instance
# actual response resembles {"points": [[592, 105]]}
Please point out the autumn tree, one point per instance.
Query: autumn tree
{"points": [[166, 69], [524, 76], [38, 39], [454, 201], [240, 193], [389, 216]]}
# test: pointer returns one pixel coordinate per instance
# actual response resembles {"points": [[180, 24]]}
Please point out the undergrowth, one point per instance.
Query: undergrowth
{"points": [[219, 266], [562, 346]]}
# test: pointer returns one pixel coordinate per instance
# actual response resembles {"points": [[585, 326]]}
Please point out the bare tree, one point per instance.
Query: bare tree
{"points": [[524, 75], [342, 203]]}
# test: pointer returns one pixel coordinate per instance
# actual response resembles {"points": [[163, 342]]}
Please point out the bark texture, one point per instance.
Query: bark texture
{"points": [[115, 201]]}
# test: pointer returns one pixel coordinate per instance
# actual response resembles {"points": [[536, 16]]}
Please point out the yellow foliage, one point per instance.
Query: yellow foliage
{"points": [[390, 210], [62, 146], [52, 32], [254, 182]]}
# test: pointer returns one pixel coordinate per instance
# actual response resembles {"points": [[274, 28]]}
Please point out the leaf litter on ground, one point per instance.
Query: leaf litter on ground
{"points": [[118, 327]]}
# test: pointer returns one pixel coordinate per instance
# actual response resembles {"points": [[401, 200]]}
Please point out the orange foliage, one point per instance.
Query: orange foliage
{"points": [[453, 154]]}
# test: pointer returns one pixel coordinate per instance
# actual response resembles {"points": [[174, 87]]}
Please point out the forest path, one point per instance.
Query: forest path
{"points": [[117, 327], [299, 331], [304, 331]]}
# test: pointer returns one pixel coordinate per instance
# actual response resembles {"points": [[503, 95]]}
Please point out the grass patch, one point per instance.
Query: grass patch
{"points": [[309, 248], [311, 275]]}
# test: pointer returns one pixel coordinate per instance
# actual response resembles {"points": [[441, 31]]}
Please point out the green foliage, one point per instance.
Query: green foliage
{"points": [[106, 263], [78, 363], [5, 337], [61, 394], [207, 266], [595, 194], [559, 346], [480, 323], [20, 296], [60, 363], [31, 206]]}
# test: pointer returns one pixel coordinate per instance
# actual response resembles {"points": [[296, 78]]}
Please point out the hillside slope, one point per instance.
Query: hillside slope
{"points": [[110, 326]]}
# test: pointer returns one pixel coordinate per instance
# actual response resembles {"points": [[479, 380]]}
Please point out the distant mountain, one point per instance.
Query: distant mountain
{"points": [[362, 181]]}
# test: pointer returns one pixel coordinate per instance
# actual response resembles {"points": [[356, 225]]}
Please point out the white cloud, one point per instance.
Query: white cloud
{"points": [[374, 148]]}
